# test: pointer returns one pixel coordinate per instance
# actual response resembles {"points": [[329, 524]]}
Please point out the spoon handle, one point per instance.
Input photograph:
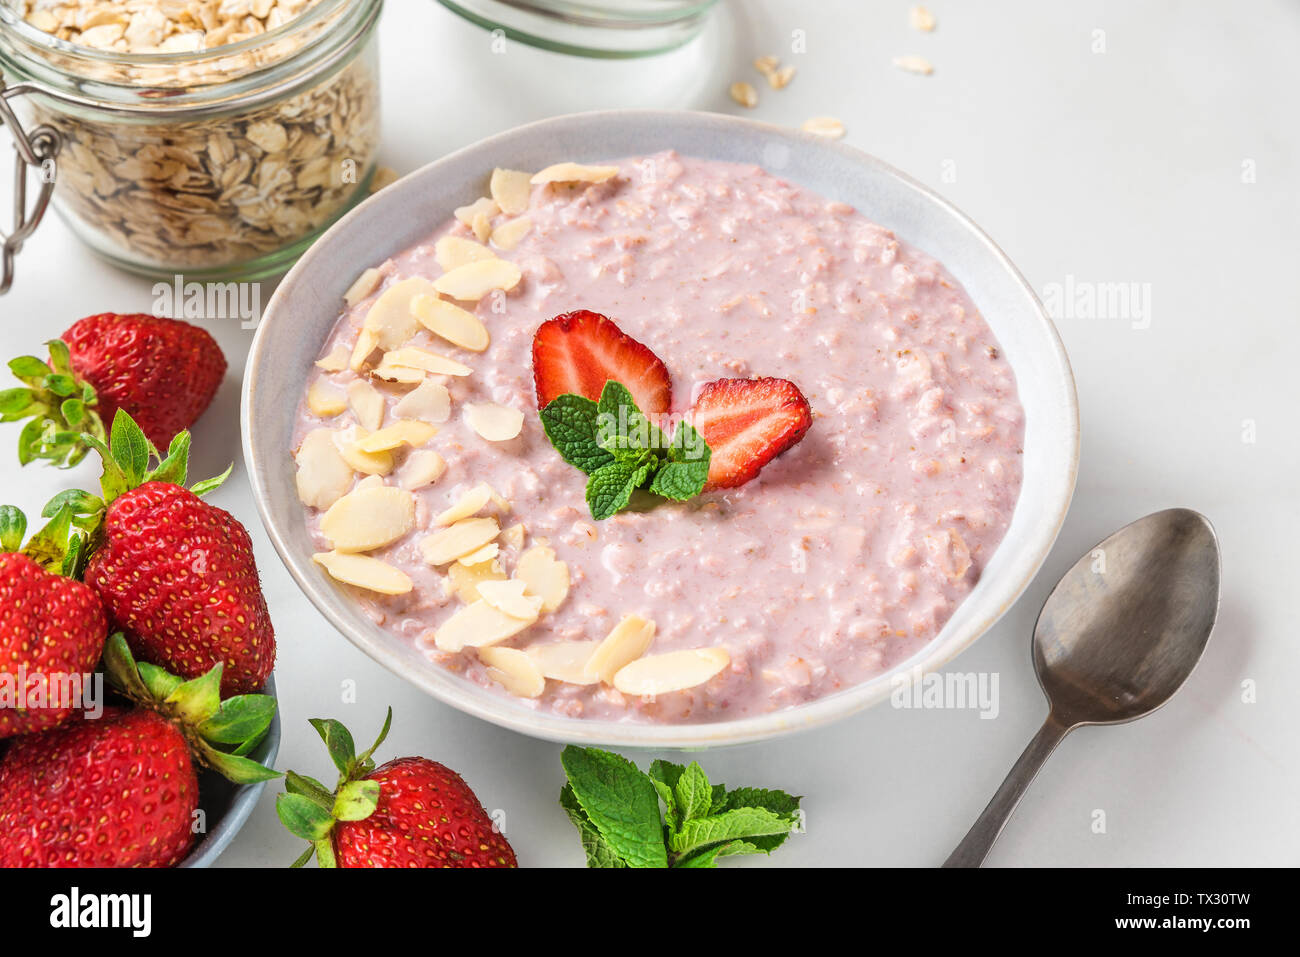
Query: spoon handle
{"points": [[978, 841]]}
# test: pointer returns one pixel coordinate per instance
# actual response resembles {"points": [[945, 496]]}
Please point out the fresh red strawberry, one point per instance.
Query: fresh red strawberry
{"points": [[578, 352], [747, 423], [121, 790], [163, 372], [426, 817], [410, 812], [52, 627], [174, 572], [58, 788]]}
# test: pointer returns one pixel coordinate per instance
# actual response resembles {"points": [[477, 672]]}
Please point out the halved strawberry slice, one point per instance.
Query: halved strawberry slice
{"points": [[579, 352], [747, 423]]}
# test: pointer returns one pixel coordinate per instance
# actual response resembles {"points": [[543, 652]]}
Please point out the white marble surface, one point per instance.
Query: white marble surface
{"points": [[1168, 159]]}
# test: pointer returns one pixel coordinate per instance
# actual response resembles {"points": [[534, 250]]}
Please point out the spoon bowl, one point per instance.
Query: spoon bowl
{"points": [[1118, 635], [1124, 627]]}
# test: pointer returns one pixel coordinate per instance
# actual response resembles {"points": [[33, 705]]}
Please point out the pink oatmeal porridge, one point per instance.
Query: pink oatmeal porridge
{"points": [[844, 556]]}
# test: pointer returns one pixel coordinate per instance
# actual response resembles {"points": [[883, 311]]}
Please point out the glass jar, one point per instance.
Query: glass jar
{"points": [[610, 29], [217, 163]]}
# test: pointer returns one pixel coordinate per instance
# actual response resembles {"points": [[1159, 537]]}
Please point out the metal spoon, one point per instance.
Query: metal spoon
{"points": [[1118, 635]]}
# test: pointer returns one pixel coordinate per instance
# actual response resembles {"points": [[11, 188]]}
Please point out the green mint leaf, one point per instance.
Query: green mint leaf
{"points": [[693, 793], [621, 427], [598, 851], [680, 481], [746, 823], [710, 855], [570, 423], [610, 488], [778, 802], [620, 802]]}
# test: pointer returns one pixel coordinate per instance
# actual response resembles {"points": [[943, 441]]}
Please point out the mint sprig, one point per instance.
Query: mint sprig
{"points": [[616, 809], [621, 450]]}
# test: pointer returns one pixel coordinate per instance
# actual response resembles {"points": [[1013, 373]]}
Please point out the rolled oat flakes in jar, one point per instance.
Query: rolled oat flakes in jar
{"points": [[210, 138]]}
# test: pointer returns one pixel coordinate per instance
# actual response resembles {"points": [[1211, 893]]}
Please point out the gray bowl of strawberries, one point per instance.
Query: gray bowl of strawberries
{"points": [[138, 718]]}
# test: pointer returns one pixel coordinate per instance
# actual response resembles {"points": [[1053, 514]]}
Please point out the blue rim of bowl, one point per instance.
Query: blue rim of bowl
{"points": [[482, 703]]}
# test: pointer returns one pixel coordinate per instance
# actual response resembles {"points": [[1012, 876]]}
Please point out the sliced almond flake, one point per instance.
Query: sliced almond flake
{"points": [[508, 596], [484, 206], [370, 481], [389, 322], [827, 126], [767, 65], [512, 190], [922, 19], [914, 64], [366, 404], [545, 576], [477, 626], [484, 554], [413, 357], [465, 536], [508, 234], [422, 467], [514, 536], [452, 252], [429, 402], [481, 227], [514, 671], [458, 326], [564, 661], [744, 94], [364, 572], [363, 286], [471, 503], [672, 671], [323, 476], [403, 432], [368, 463], [628, 641], [473, 281], [465, 579], [326, 399], [369, 518], [780, 79], [336, 361], [397, 375], [574, 173], [493, 421]]}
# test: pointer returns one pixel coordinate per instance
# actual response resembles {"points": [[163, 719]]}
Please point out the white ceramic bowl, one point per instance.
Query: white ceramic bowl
{"points": [[306, 305]]}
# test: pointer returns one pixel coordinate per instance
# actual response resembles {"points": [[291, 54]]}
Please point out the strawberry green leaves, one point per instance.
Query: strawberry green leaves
{"points": [[622, 451], [59, 407], [616, 809], [127, 458], [221, 733], [57, 546], [309, 810]]}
